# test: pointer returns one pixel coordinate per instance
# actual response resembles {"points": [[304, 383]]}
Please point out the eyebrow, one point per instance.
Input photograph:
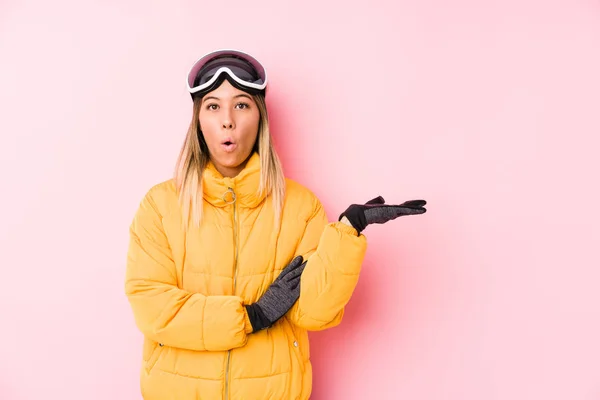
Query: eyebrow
{"points": [[235, 97]]}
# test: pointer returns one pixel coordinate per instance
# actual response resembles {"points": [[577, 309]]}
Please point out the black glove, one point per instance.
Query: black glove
{"points": [[376, 212], [279, 297]]}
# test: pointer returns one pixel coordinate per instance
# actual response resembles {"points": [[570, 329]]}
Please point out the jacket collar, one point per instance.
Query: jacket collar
{"points": [[217, 188]]}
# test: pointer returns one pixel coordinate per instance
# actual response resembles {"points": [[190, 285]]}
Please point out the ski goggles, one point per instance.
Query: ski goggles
{"points": [[242, 70]]}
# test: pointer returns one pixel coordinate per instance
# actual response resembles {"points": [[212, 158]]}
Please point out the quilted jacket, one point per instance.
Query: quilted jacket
{"points": [[187, 289]]}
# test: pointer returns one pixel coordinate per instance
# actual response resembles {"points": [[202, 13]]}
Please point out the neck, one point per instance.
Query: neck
{"points": [[231, 172]]}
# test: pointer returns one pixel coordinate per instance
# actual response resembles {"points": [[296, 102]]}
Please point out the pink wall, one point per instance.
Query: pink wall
{"points": [[489, 110]]}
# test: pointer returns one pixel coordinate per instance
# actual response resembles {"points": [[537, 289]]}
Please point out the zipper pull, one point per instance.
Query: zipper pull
{"points": [[233, 197]]}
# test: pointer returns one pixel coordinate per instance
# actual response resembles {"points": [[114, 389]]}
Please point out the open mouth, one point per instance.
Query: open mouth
{"points": [[228, 145]]}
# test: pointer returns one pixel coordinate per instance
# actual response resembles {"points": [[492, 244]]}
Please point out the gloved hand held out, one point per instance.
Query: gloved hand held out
{"points": [[279, 297], [376, 212]]}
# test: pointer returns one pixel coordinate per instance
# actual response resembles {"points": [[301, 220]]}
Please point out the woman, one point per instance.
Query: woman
{"points": [[230, 264]]}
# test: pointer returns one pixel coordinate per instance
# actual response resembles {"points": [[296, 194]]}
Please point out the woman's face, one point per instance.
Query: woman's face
{"points": [[229, 120]]}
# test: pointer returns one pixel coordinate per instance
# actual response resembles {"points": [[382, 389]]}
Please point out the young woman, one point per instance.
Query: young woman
{"points": [[230, 264]]}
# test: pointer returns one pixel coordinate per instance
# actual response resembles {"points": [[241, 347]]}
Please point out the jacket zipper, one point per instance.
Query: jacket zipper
{"points": [[235, 242]]}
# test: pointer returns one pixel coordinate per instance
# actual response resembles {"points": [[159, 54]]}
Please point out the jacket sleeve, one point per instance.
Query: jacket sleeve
{"points": [[335, 254], [162, 311]]}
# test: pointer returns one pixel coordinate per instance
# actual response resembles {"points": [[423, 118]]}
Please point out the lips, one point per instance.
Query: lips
{"points": [[228, 145]]}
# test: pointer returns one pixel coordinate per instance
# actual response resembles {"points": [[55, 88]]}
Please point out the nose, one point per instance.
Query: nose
{"points": [[228, 122]]}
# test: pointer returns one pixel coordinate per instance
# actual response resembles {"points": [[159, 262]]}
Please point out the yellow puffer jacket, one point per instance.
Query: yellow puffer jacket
{"points": [[188, 289]]}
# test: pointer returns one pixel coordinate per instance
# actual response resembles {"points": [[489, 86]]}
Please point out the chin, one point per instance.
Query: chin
{"points": [[231, 160]]}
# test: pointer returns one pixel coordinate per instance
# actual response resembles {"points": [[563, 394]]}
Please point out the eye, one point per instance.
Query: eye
{"points": [[212, 107], [242, 105]]}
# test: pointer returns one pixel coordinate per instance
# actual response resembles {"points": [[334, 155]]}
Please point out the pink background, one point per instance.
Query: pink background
{"points": [[489, 110]]}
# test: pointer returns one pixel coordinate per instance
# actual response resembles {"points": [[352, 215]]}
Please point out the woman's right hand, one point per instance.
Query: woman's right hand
{"points": [[279, 297]]}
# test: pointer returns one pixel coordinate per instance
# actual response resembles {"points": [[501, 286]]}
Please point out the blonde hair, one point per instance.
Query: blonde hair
{"points": [[194, 158]]}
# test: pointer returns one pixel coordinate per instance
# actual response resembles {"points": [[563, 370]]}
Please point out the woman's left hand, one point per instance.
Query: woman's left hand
{"points": [[377, 212]]}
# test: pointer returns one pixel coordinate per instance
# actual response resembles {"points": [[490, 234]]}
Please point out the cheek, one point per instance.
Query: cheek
{"points": [[208, 130], [251, 129], [209, 139]]}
